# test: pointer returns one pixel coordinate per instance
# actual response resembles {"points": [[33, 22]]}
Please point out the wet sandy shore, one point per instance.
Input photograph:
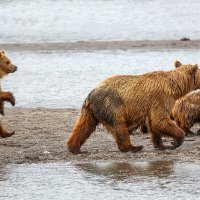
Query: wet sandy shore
{"points": [[41, 135], [102, 45]]}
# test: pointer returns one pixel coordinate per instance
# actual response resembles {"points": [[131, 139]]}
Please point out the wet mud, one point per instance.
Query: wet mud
{"points": [[41, 136]]}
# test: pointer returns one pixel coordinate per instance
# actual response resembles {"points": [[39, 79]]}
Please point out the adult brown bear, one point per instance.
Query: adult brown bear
{"points": [[124, 101]]}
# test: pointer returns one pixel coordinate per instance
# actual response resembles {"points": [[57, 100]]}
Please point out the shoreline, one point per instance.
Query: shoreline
{"points": [[102, 45], [41, 134]]}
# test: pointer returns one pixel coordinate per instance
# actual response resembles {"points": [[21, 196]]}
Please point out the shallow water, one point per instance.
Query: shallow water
{"points": [[62, 79], [74, 20], [105, 180]]}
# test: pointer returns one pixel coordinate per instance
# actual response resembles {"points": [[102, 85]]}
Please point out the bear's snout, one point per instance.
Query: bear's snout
{"points": [[14, 68]]}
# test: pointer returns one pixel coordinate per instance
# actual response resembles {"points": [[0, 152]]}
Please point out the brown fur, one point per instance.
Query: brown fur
{"points": [[124, 101], [186, 111], [6, 67], [143, 128]]}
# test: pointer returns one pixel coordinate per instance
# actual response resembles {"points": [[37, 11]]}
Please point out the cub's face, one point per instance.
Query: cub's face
{"points": [[6, 66]]}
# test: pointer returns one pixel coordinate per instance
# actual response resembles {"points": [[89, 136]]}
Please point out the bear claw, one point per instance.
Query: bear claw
{"points": [[12, 133], [175, 144], [12, 102]]}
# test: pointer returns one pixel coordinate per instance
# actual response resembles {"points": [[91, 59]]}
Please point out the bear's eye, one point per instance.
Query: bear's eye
{"points": [[8, 62]]}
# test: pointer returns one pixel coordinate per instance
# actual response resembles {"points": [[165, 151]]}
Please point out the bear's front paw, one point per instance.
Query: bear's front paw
{"points": [[11, 98], [175, 144]]}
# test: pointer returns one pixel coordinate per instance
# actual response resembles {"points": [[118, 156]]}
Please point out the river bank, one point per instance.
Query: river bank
{"points": [[41, 136], [104, 45]]}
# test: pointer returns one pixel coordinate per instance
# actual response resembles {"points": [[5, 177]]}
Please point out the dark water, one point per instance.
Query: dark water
{"points": [[101, 180], [62, 79]]}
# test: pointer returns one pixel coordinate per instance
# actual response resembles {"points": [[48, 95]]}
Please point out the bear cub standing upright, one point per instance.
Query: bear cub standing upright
{"points": [[6, 67]]}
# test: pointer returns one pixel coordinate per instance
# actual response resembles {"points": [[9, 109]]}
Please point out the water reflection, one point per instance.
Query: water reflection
{"points": [[2, 172], [125, 170], [101, 180]]}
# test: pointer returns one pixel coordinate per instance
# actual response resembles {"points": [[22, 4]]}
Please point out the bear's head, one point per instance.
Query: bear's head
{"points": [[6, 66], [192, 71]]}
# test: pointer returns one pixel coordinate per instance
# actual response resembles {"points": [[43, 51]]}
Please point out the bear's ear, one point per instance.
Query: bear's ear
{"points": [[2, 53], [193, 71], [177, 64]]}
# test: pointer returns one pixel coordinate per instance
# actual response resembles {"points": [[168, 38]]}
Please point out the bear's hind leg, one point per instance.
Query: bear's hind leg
{"points": [[84, 126], [122, 137]]}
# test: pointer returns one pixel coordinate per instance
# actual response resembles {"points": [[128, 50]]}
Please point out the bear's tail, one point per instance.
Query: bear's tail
{"points": [[84, 126]]}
